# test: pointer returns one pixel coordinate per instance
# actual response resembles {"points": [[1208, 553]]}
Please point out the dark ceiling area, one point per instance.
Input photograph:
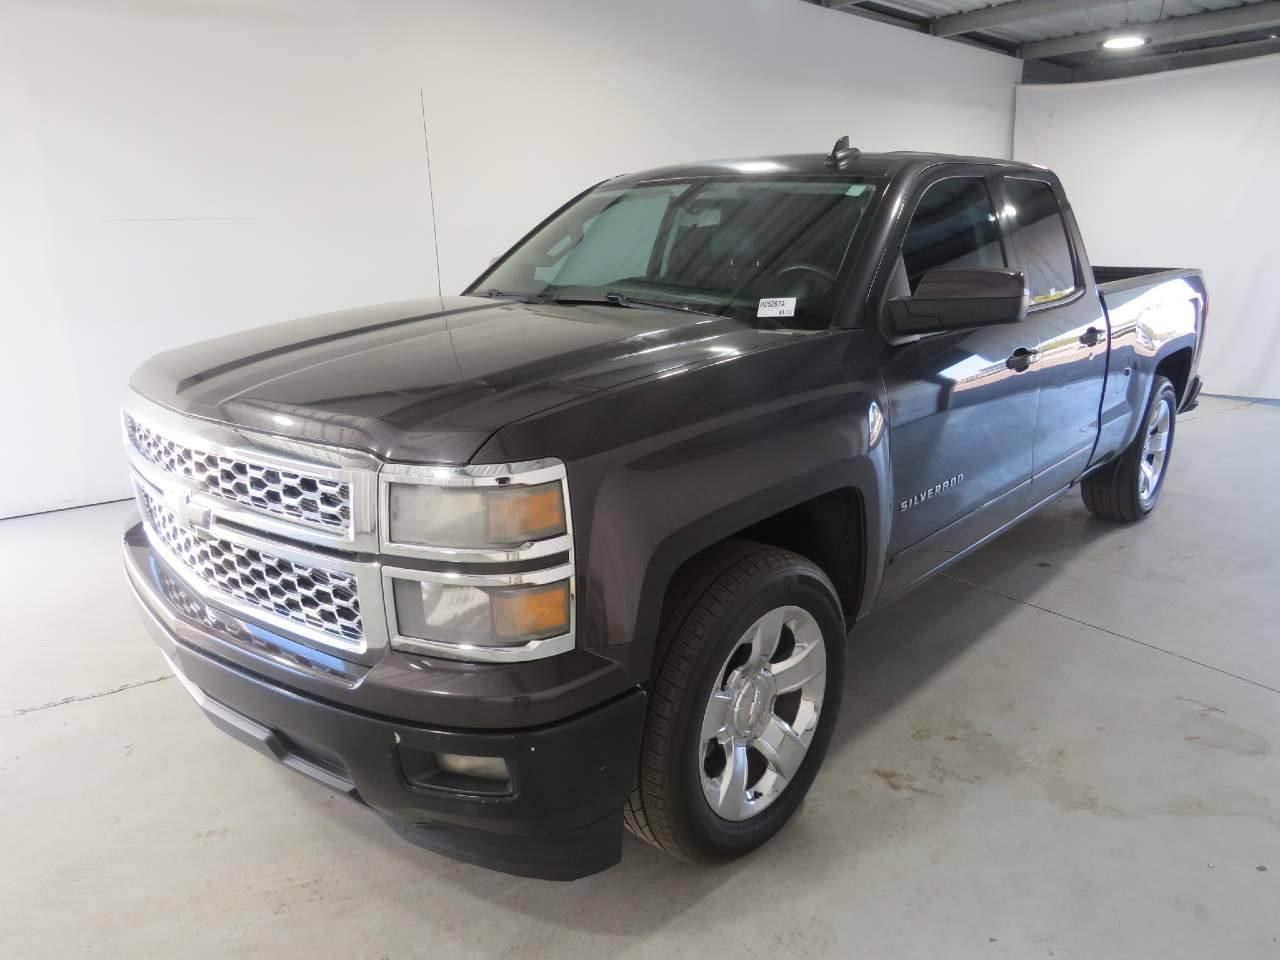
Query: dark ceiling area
{"points": [[1064, 41]]}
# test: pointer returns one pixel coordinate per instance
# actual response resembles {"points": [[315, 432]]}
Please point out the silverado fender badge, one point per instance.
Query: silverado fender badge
{"points": [[935, 490]]}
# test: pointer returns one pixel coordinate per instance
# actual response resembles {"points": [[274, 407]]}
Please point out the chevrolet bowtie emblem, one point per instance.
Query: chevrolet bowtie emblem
{"points": [[192, 514]]}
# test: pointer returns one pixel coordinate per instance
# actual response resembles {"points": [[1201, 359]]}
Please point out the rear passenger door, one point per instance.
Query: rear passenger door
{"points": [[1071, 329]]}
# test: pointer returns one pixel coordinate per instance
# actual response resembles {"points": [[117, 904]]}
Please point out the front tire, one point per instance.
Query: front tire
{"points": [[1131, 489], [747, 690]]}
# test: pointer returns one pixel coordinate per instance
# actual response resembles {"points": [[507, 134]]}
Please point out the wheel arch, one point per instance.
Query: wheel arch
{"points": [[832, 518], [1176, 368]]}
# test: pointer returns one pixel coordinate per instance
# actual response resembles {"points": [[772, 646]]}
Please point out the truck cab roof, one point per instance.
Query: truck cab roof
{"points": [[817, 164]]}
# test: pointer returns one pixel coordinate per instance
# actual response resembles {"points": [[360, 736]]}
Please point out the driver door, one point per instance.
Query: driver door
{"points": [[962, 403]]}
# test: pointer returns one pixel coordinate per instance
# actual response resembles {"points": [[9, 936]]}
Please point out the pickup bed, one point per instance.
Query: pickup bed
{"points": [[583, 547]]}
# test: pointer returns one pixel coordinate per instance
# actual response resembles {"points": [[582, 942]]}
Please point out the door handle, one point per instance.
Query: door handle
{"points": [[1021, 359], [1091, 337]]}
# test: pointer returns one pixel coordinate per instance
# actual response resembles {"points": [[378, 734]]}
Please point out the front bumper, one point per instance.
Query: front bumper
{"points": [[559, 816]]}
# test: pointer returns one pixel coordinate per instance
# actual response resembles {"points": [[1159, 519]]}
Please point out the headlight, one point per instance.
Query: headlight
{"points": [[478, 613], [458, 517], [498, 512], [482, 516]]}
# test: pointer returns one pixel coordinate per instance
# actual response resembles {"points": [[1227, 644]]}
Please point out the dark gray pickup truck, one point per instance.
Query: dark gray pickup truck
{"points": [[582, 547]]}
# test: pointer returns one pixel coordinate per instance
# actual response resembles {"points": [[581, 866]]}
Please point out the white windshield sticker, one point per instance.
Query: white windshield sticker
{"points": [[777, 307]]}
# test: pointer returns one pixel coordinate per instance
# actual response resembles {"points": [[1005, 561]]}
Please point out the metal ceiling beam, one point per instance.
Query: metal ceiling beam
{"points": [[1006, 13], [1042, 71], [1136, 66], [883, 13], [1195, 27], [877, 15]]}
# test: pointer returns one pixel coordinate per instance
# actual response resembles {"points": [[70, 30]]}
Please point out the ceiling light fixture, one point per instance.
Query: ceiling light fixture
{"points": [[1123, 41]]}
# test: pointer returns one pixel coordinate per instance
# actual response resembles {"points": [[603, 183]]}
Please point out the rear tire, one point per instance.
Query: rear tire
{"points": [[751, 670], [1130, 489]]}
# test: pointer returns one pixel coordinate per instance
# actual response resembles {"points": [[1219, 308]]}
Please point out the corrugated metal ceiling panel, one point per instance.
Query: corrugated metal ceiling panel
{"points": [[1066, 24]]}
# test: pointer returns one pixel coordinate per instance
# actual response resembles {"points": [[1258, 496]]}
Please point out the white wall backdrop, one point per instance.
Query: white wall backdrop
{"points": [[543, 99], [1179, 169], [173, 171]]}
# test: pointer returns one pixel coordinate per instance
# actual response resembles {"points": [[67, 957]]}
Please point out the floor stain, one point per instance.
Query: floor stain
{"points": [[961, 754], [939, 771], [814, 938], [963, 731], [1070, 796], [1238, 803], [1205, 708], [1212, 732], [1234, 739], [1048, 759], [1192, 908], [897, 781]]}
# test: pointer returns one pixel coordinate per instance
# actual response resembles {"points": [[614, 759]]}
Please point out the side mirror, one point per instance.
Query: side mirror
{"points": [[960, 300]]}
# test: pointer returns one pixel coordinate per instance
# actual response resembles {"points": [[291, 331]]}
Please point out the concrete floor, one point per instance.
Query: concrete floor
{"points": [[1066, 747]]}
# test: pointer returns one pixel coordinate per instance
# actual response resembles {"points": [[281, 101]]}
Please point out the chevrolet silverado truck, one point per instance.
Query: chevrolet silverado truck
{"points": [[581, 548]]}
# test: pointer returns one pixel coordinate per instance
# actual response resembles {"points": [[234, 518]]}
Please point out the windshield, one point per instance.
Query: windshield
{"points": [[745, 247]]}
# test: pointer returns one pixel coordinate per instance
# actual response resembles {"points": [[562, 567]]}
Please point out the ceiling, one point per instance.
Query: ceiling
{"points": [[1060, 40]]}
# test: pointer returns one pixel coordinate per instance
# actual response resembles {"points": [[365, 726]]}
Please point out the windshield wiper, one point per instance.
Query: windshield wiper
{"points": [[617, 298], [494, 293]]}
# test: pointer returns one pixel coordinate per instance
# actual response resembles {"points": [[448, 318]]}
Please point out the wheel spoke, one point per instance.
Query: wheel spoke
{"points": [[731, 796], [1162, 418], [716, 720], [1148, 478], [767, 634], [809, 663], [782, 747], [743, 722], [1156, 442]]}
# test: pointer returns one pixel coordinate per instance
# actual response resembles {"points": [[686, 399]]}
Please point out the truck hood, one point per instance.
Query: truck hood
{"points": [[430, 380]]}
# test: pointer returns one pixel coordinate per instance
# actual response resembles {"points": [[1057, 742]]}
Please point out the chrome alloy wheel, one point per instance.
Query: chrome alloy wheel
{"points": [[1155, 449], [762, 713]]}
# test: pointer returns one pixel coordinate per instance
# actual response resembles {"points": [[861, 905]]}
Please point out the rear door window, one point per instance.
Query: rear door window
{"points": [[1042, 235]]}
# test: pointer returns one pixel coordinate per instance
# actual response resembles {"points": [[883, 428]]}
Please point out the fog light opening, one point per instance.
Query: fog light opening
{"points": [[485, 768]]}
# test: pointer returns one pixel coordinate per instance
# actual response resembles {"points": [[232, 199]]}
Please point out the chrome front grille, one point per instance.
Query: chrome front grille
{"points": [[324, 600], [287, 537], [318, 501]]}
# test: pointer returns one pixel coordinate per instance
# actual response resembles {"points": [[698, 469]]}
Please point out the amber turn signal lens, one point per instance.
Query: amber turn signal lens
{"points": [[517, 514], [531, 612]]}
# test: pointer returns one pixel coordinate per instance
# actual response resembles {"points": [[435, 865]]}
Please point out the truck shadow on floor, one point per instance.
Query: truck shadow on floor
{"points": [[900, 647]]}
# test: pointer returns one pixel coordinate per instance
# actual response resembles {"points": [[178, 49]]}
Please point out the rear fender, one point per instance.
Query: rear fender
{"points": [[1149, 323]]}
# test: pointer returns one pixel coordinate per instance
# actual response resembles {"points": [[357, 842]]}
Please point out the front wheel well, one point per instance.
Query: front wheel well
{"points": [[828, 529]]}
